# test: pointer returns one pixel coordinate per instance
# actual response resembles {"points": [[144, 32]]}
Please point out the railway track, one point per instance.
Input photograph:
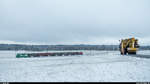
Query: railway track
{"points": [[141, 56]]}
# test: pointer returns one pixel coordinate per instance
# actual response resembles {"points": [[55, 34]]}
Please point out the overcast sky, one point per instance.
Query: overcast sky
{"points": [[74, 21]]}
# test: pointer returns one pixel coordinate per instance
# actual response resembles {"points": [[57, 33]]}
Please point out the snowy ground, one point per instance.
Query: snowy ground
{"points": [[93, 66]]}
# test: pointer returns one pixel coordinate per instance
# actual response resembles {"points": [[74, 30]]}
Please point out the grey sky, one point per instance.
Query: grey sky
{"points": [[74, 21]]}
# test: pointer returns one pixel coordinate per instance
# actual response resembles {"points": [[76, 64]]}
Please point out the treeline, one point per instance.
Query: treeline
{"points": [[62, 47]]}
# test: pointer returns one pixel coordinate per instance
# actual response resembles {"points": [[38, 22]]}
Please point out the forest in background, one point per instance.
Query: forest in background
{"points": [[62, 47]]}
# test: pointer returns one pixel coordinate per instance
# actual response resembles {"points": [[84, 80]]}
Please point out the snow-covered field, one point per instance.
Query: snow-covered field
{"points": [[93, 66]]}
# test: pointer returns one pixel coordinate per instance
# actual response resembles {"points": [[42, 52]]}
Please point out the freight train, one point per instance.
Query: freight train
{"points": [[26, 55]]}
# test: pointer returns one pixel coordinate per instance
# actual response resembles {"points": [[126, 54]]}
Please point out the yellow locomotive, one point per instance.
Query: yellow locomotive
{"points": [[129, 46]]}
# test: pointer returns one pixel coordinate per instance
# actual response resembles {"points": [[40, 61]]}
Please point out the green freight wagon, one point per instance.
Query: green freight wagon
{"points": [[22, 55]]}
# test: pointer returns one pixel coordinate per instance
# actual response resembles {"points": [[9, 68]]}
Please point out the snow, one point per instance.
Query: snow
{"points": [[93, 66]]}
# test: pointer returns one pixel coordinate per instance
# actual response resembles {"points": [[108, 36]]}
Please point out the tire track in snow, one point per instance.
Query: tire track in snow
{"points": [[64, 64]]}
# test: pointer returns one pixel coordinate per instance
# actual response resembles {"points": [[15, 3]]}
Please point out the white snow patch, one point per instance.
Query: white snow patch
{"points": [[93, 66]]}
